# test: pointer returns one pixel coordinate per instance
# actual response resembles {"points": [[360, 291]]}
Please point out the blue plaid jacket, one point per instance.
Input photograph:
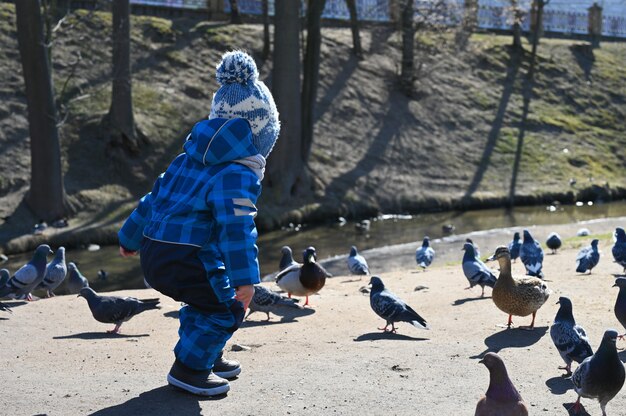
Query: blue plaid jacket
{"points": [[203, 199]]}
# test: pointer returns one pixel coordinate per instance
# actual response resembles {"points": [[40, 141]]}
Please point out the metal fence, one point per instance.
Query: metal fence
{"points": [[559, 17]]}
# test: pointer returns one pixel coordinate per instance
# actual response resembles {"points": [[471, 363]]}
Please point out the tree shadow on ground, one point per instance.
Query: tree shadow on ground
{"points": [[583, 53], [377, 336], [465, 300], [559, 385], [512, 338], [164, 400], [508, 88], [99, 335], [570, 410]]}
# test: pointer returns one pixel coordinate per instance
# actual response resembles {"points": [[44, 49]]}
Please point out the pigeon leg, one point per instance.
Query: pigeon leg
{"points": [[115, 330], [306, 303], [508, 325], [50, 294], [268, 316], [29, 297], [567, 368], [576, 407], [482, 295], [385, 328], [289, 295], [249, 313], [393, 328]]}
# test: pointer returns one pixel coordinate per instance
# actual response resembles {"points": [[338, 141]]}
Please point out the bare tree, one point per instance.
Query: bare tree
{"points": [[235, 17], [311, 72], [407, 72], [285, 165], [119, 123], [46, 197], [266, 29], [354, 27], [468, 23], [517, 17]]}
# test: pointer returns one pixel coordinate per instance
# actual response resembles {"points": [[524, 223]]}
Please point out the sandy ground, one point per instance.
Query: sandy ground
{"points": [[57, 360]]}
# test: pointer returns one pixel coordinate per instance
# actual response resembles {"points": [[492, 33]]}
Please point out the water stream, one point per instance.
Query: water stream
{"points": [[335, 239]]}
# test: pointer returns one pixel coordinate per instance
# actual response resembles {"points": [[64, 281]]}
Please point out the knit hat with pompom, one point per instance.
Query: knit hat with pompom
{"points": [[242, 94]]}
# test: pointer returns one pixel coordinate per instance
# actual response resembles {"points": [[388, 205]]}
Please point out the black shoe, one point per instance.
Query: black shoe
{"points": [[226, 368], [200, 382]]}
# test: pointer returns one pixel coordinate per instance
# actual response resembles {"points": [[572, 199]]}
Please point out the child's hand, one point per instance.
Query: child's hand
{"points": [[127, 253], [244, 295]]}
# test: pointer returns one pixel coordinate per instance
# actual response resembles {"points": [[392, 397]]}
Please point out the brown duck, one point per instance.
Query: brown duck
{"points": [[303, 279], [519, 296]]}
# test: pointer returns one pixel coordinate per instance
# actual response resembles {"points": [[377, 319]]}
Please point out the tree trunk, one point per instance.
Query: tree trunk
{"points": [[354, 27], [311, 73], [266, 29], [468, 25], [120, 122], [408, 40], [517, 24], [46, 197], [285, 163], [235, 17]]}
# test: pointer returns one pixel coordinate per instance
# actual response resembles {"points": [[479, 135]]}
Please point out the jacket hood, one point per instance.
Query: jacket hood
{"points": [[220, 140]]}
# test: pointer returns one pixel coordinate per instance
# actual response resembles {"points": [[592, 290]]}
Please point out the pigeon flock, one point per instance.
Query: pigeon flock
{"points": [[598, 375], [38, 274]]}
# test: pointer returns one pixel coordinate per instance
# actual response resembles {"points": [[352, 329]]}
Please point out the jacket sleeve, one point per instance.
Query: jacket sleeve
{"points": [[131, 233], [233, 202]]}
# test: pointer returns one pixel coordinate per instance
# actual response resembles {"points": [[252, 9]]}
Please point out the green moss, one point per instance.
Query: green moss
{"points": [[149, 100]]}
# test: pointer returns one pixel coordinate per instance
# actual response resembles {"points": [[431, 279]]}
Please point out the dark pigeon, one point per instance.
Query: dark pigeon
{"points": [[620, 302], [425, 254], [554, 242], [357, 263], [476, 272], [287, 258], [391, 308], [264, 300], [501, 398], [115, 310], [531, 255], [75, 280], [600, 376], [514, 246], [28, 277], [56, 271], [569, 339], [4, 278], [476, 250], [588, 258], [619, 248]]}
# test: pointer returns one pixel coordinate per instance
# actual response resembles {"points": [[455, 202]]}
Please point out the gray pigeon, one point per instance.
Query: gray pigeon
{"points": [[554, 242], [357, 263], [4, 277], [569, 338], [425, 254], [264, 300], [75, 280], [588, 257], [391, 308], [531, 255], [619, 248], [620, 302], [287, 259], [476, 272], [600, 376], [56, 271], [115, 310], [28, 277]]}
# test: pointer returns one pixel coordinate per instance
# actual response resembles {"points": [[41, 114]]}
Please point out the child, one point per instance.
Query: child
{"points": [[195, 230]]}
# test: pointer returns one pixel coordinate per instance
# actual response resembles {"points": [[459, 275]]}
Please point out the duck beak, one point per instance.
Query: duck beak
{"points": [[614, 285], [557, 302], [482, 361], [311, 258], [491, 258]]}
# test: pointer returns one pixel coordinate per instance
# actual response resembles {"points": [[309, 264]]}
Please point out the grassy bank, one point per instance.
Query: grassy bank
{"points": [[449, 145]]}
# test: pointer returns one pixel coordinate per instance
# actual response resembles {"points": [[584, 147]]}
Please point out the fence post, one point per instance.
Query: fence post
{"points": [[595, 24]]}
